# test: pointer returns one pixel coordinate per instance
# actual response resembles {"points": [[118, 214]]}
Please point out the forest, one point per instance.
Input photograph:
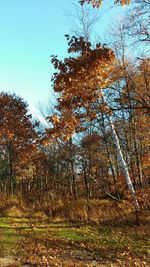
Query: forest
{"points": [[75, 190]]}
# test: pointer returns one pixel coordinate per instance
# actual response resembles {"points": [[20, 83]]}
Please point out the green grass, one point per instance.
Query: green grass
{"points": [[4, 223], [77, 234], [25, 237], [8, 238]]}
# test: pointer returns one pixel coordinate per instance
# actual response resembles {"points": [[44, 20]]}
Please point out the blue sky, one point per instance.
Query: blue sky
{"points": [[30, 32]]}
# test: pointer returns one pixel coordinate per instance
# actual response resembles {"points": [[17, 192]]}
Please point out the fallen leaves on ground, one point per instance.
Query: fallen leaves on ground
{"points": [[76, 245]]}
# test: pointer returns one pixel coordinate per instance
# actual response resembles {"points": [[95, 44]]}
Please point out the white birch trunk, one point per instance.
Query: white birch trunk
{"points": [[122, 162]]}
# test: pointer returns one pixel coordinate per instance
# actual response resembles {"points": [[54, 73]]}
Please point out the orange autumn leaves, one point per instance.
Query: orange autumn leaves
{"points": [[79, 81], [17, 133], [97, 3], [63, 126]]}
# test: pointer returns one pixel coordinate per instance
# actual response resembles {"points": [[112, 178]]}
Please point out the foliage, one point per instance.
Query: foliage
{"points": [[17, 137], [67, 180], [79, 85], [97, 3]]}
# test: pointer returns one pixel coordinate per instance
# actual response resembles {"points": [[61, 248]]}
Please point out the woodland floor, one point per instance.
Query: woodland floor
{"points": [[27, 243]]}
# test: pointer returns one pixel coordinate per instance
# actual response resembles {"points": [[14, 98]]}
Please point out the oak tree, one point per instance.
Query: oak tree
{"points": [[80, 81], [17, 137]]}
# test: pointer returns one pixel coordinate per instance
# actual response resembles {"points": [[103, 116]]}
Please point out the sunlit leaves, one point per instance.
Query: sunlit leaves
{"points": [[97, 3], [16, 132], [79, 79]]}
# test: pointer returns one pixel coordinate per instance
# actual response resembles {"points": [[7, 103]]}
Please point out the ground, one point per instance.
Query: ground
{"points": [[33, 242]]}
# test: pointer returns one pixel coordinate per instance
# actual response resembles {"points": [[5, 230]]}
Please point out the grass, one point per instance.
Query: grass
{"points": [[7, 237], [41, 242], [75, 242]]}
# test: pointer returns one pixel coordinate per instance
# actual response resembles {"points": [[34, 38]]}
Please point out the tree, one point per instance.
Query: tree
{"points": [[81, 81], [17, 138], [83, 20], [137, 22]]}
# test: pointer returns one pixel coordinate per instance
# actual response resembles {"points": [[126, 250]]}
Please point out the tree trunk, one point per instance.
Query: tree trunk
{"points": [[122, 162]]}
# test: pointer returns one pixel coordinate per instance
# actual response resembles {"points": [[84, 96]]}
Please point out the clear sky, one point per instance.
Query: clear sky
{"points": [[30, 32]]}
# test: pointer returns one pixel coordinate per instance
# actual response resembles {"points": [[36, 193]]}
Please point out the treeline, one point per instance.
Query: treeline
{"points": [[84, 164]]}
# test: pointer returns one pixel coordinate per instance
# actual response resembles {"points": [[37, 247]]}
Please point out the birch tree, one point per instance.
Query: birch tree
{"points": [[80, 81]]}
